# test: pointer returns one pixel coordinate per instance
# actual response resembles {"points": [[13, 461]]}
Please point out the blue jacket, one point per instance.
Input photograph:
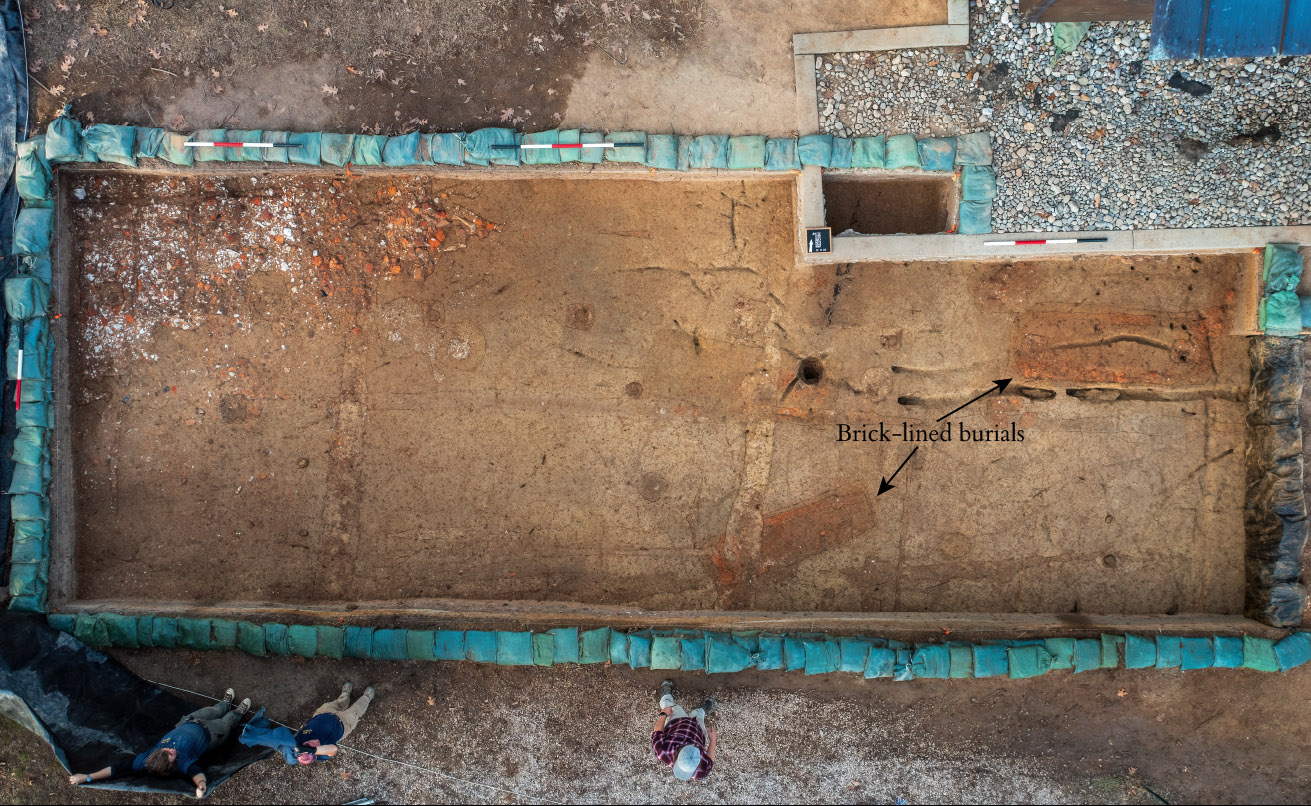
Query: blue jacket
{"points": [[260, 732]]}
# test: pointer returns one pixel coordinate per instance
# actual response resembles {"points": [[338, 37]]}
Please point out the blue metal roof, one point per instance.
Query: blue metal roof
{"points": [[1217, 29]]}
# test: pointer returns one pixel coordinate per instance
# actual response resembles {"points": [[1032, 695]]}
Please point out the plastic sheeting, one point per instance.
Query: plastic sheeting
{"points": [[91, 711]]}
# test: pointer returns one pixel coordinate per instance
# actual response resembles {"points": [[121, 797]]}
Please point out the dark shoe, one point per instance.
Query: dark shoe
{"points": [[368, 693], [667, 688], [346, 689], [243, 707], [229, 696], [709, 706]]}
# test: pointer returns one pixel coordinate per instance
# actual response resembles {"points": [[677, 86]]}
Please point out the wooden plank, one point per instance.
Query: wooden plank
{"points": [[1085, 10], [516, 615], [914, 36]]}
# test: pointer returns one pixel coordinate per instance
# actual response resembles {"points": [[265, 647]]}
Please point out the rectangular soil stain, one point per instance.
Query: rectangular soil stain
{"points": [[308, 387]]}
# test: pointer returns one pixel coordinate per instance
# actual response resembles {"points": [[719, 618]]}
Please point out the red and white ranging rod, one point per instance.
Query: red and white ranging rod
{"points": [[240, 145]]}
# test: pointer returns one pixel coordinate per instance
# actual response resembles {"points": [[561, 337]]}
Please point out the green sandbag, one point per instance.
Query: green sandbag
{"points": [[26, 479], [822, 657], [31, 542], [329, 642], [1169, 652], [747, 153], [978, 183], [32, 171], [277, 638], [480, 646], [902, 152], [448, 645], [194, 633], [903, 668], [1139, 652], [770, 655], [840, 158], [446, 148], [514, 648], [1111, 651], [224, 632], [37, 266], [250, 638], [937, 153], [335, 149], [781, 154], [1282, 268], [570, 154], [541, 156], [359, 642], [402, 150], [991, 660], [692, 653], [368, 149], [32, 231], [594, 646], [1228, 651], [724, 656], [90, 630], [419, 645], [975, 218], [478, 148], [639, 651], [29, 508], [40, 415], [112, 143], [280, 155], [618, 647], [543, 649], [145, 630], [666, 652], [32, 602], [703, 152], [974, 148], [794, 653], [308, 150], [1066, 36], [1197, 653], [64, 622], [26, 297], [148, 142], [566, 644], [1281, 313], [1293, 650], [815, 149], [869, 152], [662, 151], [171, 148], [210, 153], [302, 640], [64, 138], [388, 645], [852, 654], [1027, 661], [246, 154], [164, 632], [591, 155], [881, 662], [1259, 654], [27, 580], [960, 662], [1087, 655], [633, 154]]}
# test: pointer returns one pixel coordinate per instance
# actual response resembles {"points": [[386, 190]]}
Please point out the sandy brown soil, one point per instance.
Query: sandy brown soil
{"points": [[570, 390], [580, 735]]}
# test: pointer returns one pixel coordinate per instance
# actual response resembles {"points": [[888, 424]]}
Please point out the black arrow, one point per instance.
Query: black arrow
{"points": [[884, 486], [1000, 387]]}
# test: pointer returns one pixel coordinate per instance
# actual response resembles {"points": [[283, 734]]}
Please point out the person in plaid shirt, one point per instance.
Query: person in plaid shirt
{"points": [[679, 739]]}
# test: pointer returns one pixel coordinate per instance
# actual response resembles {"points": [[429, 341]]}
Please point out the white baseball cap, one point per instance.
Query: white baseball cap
{"points": [[685, 766]]}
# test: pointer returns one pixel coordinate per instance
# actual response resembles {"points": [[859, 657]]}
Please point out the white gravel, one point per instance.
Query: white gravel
{"points": [[1119, 164]]}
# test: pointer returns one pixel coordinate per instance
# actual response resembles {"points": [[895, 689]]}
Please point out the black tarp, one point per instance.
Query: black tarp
{"points": [[13, 129], [91, 710]]}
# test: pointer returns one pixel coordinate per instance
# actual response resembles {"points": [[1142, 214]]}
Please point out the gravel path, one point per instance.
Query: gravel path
{"points": [[1095, 139]]}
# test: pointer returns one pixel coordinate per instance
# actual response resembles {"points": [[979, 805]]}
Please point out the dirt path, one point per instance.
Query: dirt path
{"points": [[580, 735]]}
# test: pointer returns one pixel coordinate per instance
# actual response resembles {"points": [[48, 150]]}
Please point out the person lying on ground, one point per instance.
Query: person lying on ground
{"points": [[679, 739], [329, 725], [179, 751]]}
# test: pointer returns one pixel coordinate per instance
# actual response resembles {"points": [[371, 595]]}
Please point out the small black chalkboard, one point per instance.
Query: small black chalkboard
{"points": [[819, 239]]}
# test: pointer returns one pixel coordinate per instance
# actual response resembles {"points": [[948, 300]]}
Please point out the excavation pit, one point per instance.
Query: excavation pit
{"points": [[883, 204]]}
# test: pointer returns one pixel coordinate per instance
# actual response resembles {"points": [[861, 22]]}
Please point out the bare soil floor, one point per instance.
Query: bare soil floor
{"points": [[323, 388], [581, 735]]}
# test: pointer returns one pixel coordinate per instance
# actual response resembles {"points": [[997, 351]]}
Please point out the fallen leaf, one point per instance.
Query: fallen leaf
{"points": [[262, 27], [431, 701], [154, 53], [99, 31], [232, 12], [1124, 692], [329, 90]]}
